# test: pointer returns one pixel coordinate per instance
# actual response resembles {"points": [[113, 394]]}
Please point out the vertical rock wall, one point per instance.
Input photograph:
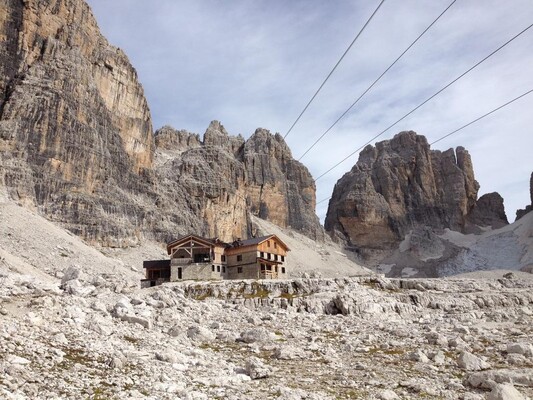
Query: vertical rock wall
{"points": [[75, 128], [225, 178], [76, 143], [401, 184]]}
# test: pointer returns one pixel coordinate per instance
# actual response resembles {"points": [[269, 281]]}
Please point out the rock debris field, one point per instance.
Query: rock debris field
{"points": [[346, 338]]}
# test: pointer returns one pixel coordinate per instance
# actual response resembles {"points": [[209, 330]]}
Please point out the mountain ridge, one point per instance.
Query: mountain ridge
{"points": [[77, 144]]}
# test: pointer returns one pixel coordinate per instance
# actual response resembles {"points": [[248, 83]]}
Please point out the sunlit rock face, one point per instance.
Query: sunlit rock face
{"points": [[76, 142], [226, 179], [75, 128], [401, 184], [279, 188]]}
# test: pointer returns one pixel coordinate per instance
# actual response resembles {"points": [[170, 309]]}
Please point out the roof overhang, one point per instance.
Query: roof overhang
{"points": [[188, 238]]}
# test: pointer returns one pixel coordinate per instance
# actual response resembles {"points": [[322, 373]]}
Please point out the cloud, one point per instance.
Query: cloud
{"points": [[252, 64]]}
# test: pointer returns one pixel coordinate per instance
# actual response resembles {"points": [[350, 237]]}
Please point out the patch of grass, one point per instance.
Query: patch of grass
{"points": [[258, 292], [131, 339], [99, 393], [208, 346], [331, 335], [354, 394], [75, 356], [288, 296], [394, 352]]}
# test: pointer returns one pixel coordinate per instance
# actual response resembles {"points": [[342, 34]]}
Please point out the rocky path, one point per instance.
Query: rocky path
{"points": [[367, 338]]}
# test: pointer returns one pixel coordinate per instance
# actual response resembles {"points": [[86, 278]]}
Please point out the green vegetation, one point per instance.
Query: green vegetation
{"points": [[131, 339]]}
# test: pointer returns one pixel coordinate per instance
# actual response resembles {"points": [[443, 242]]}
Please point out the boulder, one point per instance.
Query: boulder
{"points": [[256, 369], [486, 379], [256, 335], [387, 395], [489, 211], [505, 392], [201, 334], [470, 362], [523, 348], [135, 319]]}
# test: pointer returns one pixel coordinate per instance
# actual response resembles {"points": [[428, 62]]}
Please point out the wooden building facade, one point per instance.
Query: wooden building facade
{"points": [[195, 257]]}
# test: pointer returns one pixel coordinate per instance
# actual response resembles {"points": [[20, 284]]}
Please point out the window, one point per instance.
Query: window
{"points": [[218, 268], [263, 267], [213, 268], [239, 257], [223, 258], [282, 258], [268, 256], [275, 257], [268, 243], [223, 269], [275, 245], [276, 268], [239, 270], [282, 270], [262, 254]]}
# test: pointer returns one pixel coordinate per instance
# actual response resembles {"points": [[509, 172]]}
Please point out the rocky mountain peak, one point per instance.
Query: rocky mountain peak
{"points": [[214, 131], [76, 142], [400, 184], [168, 138], [216, 135], [268, 144], [489, 211], [281, 189]]}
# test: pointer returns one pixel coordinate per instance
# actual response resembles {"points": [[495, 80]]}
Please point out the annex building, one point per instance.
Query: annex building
{"points": [[196, 257]]}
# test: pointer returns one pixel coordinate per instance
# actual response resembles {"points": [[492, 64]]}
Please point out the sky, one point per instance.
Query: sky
{"points": [[253, 64]]}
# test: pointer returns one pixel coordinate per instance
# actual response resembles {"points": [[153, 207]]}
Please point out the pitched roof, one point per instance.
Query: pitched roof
{"points": [[252, 241], [206, 241], [256, 241]]}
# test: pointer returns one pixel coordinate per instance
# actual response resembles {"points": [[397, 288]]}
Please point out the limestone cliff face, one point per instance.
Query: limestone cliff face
{"points": [[279, 188], [75, 128], [489, 211], [224, 179], [400, 184], [76, 143]]}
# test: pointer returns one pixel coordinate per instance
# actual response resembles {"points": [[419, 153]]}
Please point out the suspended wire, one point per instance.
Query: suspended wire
{"points": [[483, 116], [425, 101], [377, 80], [334, 68], [321, 201], [466, 125]]}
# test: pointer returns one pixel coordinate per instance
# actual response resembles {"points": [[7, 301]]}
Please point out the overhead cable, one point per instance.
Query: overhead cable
{"points": [[425, 101], [377, 80], [468, 124], [483, 116], [334, 68]]}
